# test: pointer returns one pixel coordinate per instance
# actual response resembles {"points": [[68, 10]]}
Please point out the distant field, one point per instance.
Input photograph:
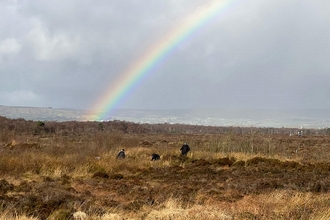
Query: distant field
{"points": [[53, 170]]}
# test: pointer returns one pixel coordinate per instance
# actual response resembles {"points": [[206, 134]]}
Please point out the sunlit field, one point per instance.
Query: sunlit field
{"points": [[52, 170]]}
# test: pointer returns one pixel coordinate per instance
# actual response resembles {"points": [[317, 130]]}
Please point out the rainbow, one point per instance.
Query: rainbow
{"points": [[144, 66]]}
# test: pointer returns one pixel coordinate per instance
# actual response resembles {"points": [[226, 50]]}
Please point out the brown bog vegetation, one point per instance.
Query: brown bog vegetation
{"points": [[68, 170]]}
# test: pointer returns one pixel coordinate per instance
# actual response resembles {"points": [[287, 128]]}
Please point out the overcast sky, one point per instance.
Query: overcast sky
{"points": [[255, 54]]}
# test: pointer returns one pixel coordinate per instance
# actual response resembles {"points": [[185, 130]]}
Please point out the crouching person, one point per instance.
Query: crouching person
{"points": [[121, 154], [155, 157]]}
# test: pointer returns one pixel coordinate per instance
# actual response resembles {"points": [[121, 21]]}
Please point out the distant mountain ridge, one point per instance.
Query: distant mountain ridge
{"points": [[315, 118]]}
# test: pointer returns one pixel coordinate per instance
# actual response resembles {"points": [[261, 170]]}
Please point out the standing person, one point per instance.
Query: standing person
{"points": [[185, 149]]}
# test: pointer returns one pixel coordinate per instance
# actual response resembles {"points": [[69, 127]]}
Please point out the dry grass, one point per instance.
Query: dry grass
{"points": [[274, 205], [225, 176], [8, 214]]}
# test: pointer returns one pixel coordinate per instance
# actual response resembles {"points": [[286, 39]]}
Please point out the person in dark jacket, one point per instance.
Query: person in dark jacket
{"points": [[185, 149], [121, 154], [155, 157]]}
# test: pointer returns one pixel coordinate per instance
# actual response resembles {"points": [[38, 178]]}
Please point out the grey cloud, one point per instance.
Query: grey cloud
{"points": [[9, 47], [254, 54]]}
